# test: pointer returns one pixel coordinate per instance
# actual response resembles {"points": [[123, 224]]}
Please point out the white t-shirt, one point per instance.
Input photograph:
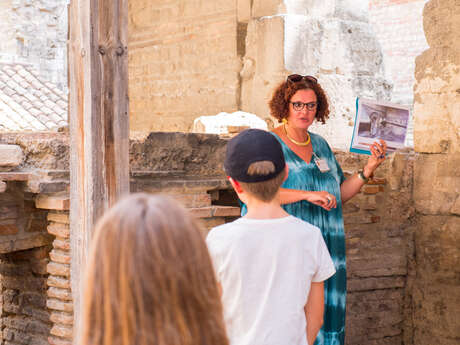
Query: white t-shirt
{"points": [[266, 267]]}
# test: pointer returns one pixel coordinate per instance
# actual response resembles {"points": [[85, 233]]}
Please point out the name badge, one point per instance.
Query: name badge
{"points": [[322, 165]]}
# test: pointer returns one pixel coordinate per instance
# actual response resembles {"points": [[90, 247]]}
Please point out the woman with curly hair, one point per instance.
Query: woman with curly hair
{"points": [[316, 187], [149, 279]]}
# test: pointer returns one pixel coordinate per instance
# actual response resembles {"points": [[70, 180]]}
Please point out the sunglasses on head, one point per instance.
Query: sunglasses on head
{"points": [[295, 78]]}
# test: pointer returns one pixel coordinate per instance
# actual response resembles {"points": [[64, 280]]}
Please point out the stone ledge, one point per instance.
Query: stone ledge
{"points": [[62, 218], [57, 269], [62, 331], [15, 176], [59, 230], [58, 293], [58, 282], [164, 185], [59, 256], [61, 203], [63, 318], [55, 304], [63, 244], [11, 156], [28, 241], [37, 187], [215, 211]]}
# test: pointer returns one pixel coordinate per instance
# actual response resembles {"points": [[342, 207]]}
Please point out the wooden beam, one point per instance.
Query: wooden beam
{"points": [[99, 122]]}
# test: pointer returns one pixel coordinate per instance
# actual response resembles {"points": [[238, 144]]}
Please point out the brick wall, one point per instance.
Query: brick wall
{"points": [[182, 62], [24, 316], [59, 292], [379, 229]]}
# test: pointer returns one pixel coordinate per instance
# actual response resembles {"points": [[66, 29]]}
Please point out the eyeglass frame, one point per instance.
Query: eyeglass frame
{"points": [[295, 78], [310, 105]]}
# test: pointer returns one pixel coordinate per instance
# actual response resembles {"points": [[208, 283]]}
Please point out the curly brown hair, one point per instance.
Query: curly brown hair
{"points": [[279, 104]]}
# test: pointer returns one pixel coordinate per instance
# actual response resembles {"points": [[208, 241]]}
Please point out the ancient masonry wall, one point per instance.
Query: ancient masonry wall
{"points": [[378, 221], [436, 290], [20, 21], [24, 316], [332, 41], [378, 227], [398, 26], [182, 62]]}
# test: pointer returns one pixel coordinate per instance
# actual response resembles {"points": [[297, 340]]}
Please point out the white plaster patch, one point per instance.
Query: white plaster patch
{"points": [[220, 123]]}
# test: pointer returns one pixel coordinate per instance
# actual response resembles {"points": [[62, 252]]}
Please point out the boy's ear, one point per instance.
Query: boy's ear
{"points": [[236, 185], [286, 168]]}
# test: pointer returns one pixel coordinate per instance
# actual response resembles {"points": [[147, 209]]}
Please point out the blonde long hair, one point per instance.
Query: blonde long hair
{"points": [[149, 279]]}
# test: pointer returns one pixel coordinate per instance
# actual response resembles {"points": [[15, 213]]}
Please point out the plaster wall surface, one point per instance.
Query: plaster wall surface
{"points": [[436, 293], [35, 32]]}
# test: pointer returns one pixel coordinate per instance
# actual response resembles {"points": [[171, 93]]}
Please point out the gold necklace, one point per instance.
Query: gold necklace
{"points": [[300, 143]]}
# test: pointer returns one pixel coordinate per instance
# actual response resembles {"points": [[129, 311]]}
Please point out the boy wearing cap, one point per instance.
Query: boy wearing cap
{"points": [[271, 266]]}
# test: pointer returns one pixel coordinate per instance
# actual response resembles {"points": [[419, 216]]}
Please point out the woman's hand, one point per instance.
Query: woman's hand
{"points": [[324, 199], [378, 151]]}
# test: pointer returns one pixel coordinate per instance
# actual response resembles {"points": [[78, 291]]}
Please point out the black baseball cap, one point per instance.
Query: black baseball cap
{"points": [[250, 146]]}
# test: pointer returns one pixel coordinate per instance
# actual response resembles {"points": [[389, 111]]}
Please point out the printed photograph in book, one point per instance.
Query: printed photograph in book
{"points": [[379, 120]]}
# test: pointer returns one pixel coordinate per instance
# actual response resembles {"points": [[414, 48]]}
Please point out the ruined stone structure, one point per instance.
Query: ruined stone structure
{"points": [[194, 58], [230, 56], [402, 229], [189, 167], [35, 32], [399, 31], [183, 62], [35, 256], [436, 298]]}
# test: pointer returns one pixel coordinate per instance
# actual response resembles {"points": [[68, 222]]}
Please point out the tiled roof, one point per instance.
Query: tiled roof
{"points": [[29, 103]]}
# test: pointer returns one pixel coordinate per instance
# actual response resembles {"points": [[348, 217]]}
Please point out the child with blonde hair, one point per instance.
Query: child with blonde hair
{"points": [[149, 279]]}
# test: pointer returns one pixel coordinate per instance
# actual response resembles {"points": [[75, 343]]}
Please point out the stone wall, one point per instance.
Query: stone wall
{"points": [[398, 26], [331, 40], [35, 32], [34, 205], [183, 62], [436, 291], [379, 222], [24, 316], [399, 30]]}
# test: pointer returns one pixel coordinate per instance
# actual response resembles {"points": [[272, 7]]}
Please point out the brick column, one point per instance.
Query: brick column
{"points": [[59, 294]]}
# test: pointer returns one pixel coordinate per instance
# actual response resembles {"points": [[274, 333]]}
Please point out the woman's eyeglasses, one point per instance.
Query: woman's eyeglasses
{"points": [[298, 106], [295, 78]]}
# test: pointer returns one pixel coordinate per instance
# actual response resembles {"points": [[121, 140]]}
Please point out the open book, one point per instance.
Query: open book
{"points": [[379, 120]]}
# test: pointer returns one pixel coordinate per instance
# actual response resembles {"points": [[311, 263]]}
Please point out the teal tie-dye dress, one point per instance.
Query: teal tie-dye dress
{"points": [[308, 177], [305, 176]]}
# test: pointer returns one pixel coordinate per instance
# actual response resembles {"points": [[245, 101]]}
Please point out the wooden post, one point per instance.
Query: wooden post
{"points": [[99, 122]]}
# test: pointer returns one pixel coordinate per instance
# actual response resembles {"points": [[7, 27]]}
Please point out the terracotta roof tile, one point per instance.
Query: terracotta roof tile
{"points": [[29, 103]]}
